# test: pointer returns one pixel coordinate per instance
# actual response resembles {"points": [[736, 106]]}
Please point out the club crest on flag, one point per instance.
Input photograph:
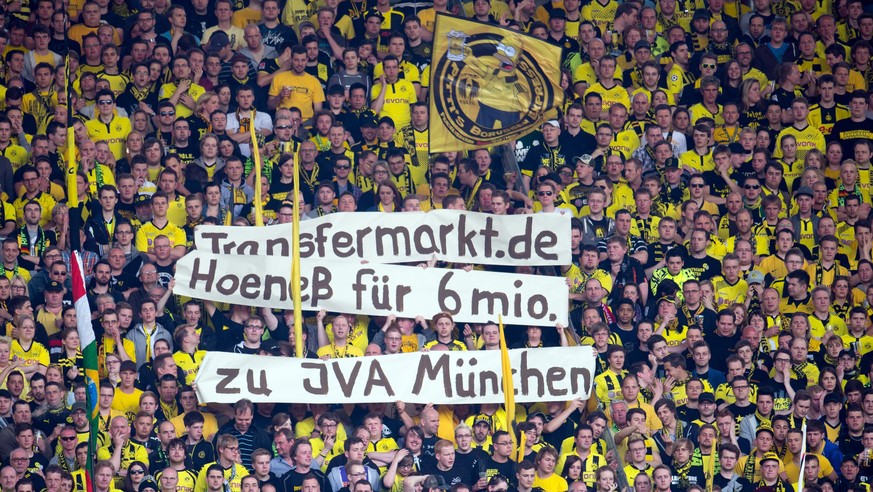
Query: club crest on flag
{"points": [[491, 84]]}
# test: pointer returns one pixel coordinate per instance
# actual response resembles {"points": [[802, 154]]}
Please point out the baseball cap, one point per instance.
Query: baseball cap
{"points": [[803, 190], [554, 123], [127, 365], [701, 14], [832, 398], [218, 40], [142, 199], [584, 159], [388, 120], [482, 419], [671, 162], [368, 120], [558, 14], [54, 286], [770, 457], [642, 45], [707, 396], [736, 148], [755, 277], [373, 13], [845, 352], [553, 177], [78, 406], [764, 429]]}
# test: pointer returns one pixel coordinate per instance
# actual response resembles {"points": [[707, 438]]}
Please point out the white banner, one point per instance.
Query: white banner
{"points": [[539, 374], [451, 235], [350, 287]]}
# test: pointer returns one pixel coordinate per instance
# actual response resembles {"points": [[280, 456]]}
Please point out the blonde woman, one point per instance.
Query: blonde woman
{"points": [[34, 356]]}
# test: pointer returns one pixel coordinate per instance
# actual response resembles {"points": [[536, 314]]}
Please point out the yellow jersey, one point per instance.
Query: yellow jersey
{"points": [[398, 97], [613, 95], [114, 133], [807, 139], [182, 111], [145, 236]]}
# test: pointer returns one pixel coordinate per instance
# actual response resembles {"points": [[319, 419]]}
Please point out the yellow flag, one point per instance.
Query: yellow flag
{"points": [[508, 387], [489, 85], [72, 187]]}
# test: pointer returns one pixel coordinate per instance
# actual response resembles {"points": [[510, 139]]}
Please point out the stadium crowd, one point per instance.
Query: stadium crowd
{"points": [[715, 157]]}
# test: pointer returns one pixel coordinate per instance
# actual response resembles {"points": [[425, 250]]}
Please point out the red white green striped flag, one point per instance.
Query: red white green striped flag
{"points": [[88, 343]]}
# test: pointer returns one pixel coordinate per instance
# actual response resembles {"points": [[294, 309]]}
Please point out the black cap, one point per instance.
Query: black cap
{"points": [[142, 199], [764, 428], [387, 119], [558, 14], [642, 45], [127, 365], [368, 120], [707, 396], [736, 148], [218, 40], [373, 13], [832, 398], [701, 14], [554, 177], [54, 286], [148, 484], [671, 162]]}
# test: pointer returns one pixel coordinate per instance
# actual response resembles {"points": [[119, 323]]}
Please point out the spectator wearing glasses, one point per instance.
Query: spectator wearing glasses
{"points": [[68, 439]]}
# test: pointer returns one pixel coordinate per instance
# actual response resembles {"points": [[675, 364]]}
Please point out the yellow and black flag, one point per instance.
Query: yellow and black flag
{"points": [[489, 85]]}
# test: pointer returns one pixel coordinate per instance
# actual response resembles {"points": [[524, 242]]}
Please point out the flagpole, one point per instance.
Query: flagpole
{"points": [[88, 343], [256, 160], [295, 263], [802, 458]]}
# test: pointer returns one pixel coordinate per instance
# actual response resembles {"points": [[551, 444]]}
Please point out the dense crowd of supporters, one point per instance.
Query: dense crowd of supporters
{"points": [[715, 158]]}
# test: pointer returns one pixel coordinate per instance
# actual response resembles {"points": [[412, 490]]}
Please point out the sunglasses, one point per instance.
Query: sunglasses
{"points": [[137, 472], [167, 113], [342, 167], [697, 185], [752, 187], [104, 103], [283, 127], [544, 193], [73, 438], [708, 65]]}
